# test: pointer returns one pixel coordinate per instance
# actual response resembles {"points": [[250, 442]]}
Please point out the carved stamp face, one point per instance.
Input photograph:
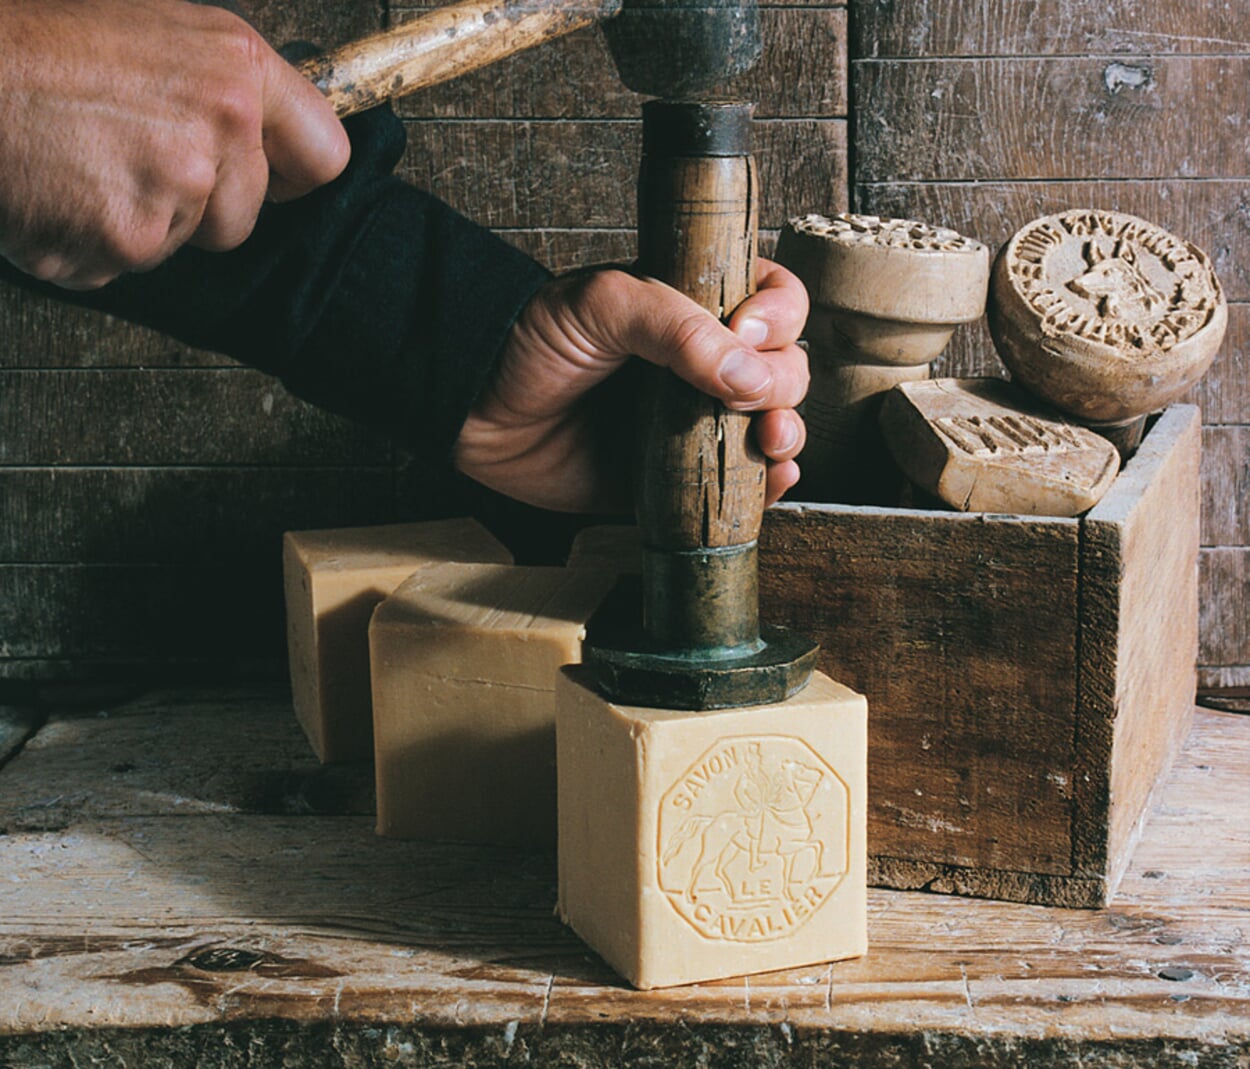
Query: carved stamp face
{"points": [[1007, 435], [1113, 279], [849, 228], [754, 838]]}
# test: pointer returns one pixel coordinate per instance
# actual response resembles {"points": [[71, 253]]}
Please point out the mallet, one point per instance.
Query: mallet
{"points": [[661, 47]]}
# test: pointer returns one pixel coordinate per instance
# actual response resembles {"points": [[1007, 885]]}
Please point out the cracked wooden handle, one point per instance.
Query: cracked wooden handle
{"points": [[441, 45]]}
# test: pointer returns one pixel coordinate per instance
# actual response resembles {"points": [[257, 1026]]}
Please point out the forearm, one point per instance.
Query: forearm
{"points": [[366, 297]]}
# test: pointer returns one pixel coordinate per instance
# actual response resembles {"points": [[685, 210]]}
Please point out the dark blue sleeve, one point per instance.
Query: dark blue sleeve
{"points": [[367, 297]]}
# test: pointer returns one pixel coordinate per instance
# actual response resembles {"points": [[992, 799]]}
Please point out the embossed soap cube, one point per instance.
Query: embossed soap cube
{"points": [[699, 846]]}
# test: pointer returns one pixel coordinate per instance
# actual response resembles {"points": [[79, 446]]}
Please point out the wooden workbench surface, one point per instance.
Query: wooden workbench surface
{"points": [[181, 885]]}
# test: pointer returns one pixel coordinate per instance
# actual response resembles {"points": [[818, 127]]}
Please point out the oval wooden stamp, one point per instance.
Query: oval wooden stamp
{"points": [[980, 445]]}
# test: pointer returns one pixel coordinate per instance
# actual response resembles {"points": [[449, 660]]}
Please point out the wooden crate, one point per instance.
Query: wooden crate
{"points": [[1028, 679]]}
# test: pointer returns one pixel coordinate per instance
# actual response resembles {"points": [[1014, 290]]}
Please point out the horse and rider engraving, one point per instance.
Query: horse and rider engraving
{"points": [[769, 818]]}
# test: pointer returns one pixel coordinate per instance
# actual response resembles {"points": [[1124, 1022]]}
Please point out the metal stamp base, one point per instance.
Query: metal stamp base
{"points": [[629, 671]]}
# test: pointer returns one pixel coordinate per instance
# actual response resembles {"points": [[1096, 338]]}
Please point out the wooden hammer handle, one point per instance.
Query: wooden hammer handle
{"points": [[443, 44]]}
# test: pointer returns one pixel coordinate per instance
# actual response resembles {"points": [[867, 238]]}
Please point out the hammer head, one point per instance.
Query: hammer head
{"points": [[681, 48]]}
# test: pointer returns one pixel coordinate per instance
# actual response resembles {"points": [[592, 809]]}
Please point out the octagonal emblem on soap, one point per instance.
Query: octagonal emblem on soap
{"points": [[754, 838]]}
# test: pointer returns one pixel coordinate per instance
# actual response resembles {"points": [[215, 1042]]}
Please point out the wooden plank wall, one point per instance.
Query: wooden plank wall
{"points": [[984, 114], [144, 487]]}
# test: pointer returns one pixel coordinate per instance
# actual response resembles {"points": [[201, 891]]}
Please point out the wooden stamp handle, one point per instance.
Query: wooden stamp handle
{"points": [[443, 44], [700, 493]]}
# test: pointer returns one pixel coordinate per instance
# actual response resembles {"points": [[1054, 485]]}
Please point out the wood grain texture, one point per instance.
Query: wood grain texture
{"points": [[139, 614], [700, 478], [1226, 486], [567, 175], [1225, 620], [41, 333], [972, 700], [322, 24], [183, 516], [1028, 678], [1049, 118], [1138, 641], [575, 77], [889, 28], [158, 913], [198, 417]]}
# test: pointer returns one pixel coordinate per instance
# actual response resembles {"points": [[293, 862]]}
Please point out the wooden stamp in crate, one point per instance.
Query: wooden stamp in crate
{"points": [[1029, 679]]}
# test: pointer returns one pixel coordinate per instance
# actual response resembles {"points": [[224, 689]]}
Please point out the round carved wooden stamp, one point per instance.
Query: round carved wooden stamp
{"points": [[884, 291], [1104, 315]]}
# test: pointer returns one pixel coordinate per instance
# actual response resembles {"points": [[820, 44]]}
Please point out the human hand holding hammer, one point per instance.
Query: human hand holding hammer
{"points": [[131, 127]]}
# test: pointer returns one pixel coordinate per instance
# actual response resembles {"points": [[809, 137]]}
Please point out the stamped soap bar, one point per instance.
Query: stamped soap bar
{"points": [[1104, 315], [982, 445], [697, 847]]}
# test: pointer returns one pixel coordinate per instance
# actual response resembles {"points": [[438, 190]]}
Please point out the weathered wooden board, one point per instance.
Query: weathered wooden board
{"points": [[888, 28], [132, 614], [179, 515], [1138, 641], [1027, 677], [1224, 392], [1045, 117], [972, 698], [322, 24], [197, 927], [41, 333], [575, 77], [1225, 615], [171, 416], [1211, 213], [1226, 486], [93, 763], [584, 174]]}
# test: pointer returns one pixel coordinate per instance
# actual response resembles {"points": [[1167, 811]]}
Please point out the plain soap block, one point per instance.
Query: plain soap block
{"points": [[699, 846], [464, 660], [334, 579]]}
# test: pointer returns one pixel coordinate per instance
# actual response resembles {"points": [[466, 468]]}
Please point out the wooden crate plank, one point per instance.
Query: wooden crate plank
{"points": [[923, 613], [1044, 117], [572, 175], [120, 928], [1224, 612], [1213, 213], [141, 614], [178, 515], [888, 28], [168, 416], [802, 74], [1226, 486], [1138, 640]]}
